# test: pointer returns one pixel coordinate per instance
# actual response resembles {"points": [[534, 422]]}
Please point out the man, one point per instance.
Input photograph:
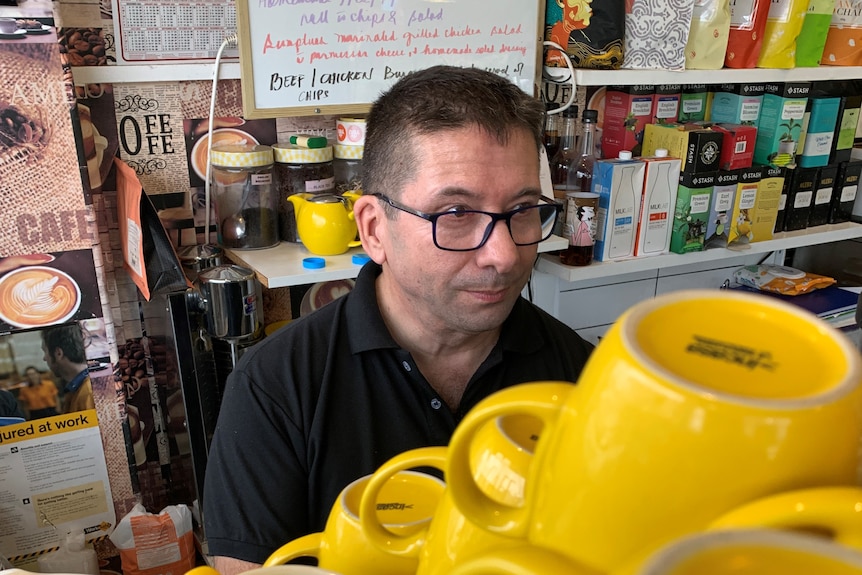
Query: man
{"points": [[39, 395], [434, 324], [63, 347], [9, 405]]}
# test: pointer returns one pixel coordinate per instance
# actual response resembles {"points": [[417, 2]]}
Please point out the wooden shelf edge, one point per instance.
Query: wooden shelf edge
{"points": [[142, 73], [720, 76], [782, 241]]}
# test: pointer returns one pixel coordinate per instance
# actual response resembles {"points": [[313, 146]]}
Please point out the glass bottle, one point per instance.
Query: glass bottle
{"points": [[563, 161], [580, 179], [552, 130]]}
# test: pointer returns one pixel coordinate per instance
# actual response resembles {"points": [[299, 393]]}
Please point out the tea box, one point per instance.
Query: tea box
{"points": [[799, 198], [822, 202], [737, 103], [692, 103], [845, 129], [691, 212], [665, 106], [628, 109], [782, 202], [741, 228], [769, 191], [780, 124], [846, 186], [661, 179], [737, 145], [721, 209], [818, 132], [619, 184], [698, 147]]}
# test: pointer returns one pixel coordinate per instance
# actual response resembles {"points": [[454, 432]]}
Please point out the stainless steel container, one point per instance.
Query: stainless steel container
{"points": [[197, 258], [233, 302]]}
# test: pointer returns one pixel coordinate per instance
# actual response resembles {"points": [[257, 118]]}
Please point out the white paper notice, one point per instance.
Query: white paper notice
{"points": [[52, 471]]}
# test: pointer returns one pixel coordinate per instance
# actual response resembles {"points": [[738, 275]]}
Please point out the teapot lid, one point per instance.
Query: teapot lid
{"points": [[226, 273], [326, 199]]}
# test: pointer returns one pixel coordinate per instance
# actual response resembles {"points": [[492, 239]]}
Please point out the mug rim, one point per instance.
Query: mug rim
{"points": [[366, 478], [847, 385], [673, 553]]}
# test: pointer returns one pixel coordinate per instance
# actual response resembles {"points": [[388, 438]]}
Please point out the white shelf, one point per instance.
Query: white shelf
{"points": [[141, 73], [783, 241], [723, 76], [281, 265]]}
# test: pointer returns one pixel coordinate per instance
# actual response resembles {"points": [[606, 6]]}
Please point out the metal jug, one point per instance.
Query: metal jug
{"points": [[232, 301]]}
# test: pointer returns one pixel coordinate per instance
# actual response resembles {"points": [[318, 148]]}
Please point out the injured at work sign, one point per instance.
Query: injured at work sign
{"points": [[53, 480]]}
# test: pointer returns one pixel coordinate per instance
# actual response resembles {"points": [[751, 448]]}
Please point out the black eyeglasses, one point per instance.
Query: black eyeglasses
{"points": [[467, 230]]}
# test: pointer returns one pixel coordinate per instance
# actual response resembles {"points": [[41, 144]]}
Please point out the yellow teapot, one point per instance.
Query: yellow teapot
{"points": [[325, 222]]}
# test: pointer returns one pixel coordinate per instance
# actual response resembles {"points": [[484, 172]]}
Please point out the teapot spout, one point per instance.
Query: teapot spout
{"points": [[298, 201]]}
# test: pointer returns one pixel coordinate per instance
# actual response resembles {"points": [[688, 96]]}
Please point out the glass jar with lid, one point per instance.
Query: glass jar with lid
{"points": [[299, 169], [245, 196], [347, 167]]}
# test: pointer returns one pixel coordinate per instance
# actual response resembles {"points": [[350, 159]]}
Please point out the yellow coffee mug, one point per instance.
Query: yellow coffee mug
{"points": [[403, 504], [694, 403], [834, 512]]}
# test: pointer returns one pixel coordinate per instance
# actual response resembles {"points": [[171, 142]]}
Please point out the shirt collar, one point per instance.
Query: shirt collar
{"points": [[77, 381]]}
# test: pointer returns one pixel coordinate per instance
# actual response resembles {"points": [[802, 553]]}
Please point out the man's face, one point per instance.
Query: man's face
{"points": [[33, 376], [49, 359], [464, 292]]}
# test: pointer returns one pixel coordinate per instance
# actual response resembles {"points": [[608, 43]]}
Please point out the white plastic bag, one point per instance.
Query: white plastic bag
{"points": [[155, 544], [73, 556]]}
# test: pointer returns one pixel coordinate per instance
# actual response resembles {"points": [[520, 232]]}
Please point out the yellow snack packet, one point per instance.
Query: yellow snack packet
{"points": [[780, 279]]}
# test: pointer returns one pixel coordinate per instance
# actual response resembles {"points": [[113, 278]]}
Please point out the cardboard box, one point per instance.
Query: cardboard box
{"points": [[780, 123], [721, 209], [824, 188], [619, 184], [818, 132], [628, 109], [699, 148], [737, 103], [782, 202], [655, 223], [741, 231], [846, 186], [845, 130], [737, 145], [693, 200], [665, 105], [769, 192], [800, 196], [692, 103]]}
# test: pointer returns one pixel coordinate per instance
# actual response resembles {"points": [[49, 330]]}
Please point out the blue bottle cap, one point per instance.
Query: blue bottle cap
{"points": [[359, 259], [313, 263]]}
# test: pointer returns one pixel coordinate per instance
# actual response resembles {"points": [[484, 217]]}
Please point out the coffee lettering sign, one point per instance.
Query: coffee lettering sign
{"points": [[336, 56]]}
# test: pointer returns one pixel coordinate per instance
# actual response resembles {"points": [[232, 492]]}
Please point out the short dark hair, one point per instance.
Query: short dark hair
{"points": [[68, 338], [434, 100]]}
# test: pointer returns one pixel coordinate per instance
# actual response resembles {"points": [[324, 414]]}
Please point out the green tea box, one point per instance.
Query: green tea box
{"points": [[800, 196], [846, 186], [721, 208], [780, 124], [741, 219], [818, 132], [769, 191], [692, 103], [691, 212], [845, 129], [737, 103], [824, 187]]}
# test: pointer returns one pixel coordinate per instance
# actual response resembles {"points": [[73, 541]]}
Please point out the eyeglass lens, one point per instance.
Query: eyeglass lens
{"points": [[467, 230]]}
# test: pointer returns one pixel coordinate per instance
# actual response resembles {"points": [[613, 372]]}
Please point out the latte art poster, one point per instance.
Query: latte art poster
{"points": [[39, 290]]}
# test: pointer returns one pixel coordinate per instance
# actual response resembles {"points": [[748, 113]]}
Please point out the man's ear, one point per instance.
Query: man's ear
{"points": [[371, 223]]}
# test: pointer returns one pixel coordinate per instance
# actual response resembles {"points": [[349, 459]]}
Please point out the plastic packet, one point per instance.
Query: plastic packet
{"points": [[780, 279], [73, 556], [152, 544]]}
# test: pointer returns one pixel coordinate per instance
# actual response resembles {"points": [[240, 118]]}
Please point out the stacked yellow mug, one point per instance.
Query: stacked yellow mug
{"points": [[704, 422]]}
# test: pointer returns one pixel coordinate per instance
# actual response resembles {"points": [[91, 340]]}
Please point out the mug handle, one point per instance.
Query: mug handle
{"points": [[838, 509], [385, 540], [306, 546], [522, 399]]}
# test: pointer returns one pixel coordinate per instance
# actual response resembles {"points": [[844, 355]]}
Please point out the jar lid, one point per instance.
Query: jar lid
{"points": [[346, 152], [226, 274], [241, 155], [292, 154]]}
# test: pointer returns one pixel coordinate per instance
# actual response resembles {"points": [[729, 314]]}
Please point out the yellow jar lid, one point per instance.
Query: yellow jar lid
{"points": [[292, 154], [241, 155], [346, 152]]}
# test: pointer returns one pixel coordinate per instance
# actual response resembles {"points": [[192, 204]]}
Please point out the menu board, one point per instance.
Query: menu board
{"points": [[306, 57]]}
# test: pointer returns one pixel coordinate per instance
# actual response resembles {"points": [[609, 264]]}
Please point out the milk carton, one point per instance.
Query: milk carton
{"points": [[619, 184]]}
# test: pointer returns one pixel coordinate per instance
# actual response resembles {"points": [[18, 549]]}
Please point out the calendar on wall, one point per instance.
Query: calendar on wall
{"points": [[152, 31]]}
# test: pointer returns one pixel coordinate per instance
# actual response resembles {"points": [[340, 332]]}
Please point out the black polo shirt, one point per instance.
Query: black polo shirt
{"points": [[329, 398]]}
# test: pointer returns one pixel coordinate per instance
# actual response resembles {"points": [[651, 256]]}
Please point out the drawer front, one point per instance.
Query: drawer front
{"points": [[590, 307]]}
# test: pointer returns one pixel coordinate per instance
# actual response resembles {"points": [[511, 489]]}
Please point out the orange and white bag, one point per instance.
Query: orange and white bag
{"points": [[152, 544]]}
